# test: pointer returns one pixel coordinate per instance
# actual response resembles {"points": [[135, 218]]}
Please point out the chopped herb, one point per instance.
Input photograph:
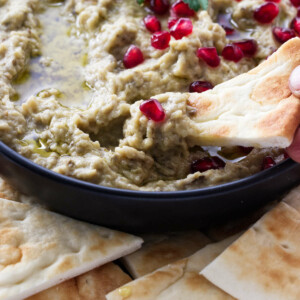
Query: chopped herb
{"points": [[140, 1], [197, 4]]}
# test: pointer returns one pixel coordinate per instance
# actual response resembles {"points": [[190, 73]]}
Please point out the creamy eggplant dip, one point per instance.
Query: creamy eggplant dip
{"points": [[78, 81]]}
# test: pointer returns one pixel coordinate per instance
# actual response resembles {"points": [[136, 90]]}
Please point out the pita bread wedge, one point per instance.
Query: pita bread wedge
{"points": [[93, 285], [253, 109], [160, 250], [177, 281], [265, 262], [40, 249]]}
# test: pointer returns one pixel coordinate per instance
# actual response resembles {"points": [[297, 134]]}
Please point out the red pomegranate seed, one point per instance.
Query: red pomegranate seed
{"points": [[133, 57], [233, 53], [266, 13], [207, 163], [296, 3], [283, 34], [228, 30], [160, 40], [183, 27], [152, 23], [160, 7], [268, 162], [153, 110], [296, 25], [209, 55], [200, 86], [245, 150], [285, 155], [249, 47], [182, 9], [172, 22]]}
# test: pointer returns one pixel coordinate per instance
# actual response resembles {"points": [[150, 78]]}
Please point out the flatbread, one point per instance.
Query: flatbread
{"points": [[160, 250], [253, 109], [93, 285], [265, 262], [177, 281], [39, 249]]}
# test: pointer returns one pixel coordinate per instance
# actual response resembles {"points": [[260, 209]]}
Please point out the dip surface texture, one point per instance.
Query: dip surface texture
{"points": [[69, 104]]}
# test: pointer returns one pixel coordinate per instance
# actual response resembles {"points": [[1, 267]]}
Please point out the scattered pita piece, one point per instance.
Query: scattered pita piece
{"points": [[93, 285], [177, 281], [8, 192], [253, 109], [160, 250], [40, 249], [265, 262]]}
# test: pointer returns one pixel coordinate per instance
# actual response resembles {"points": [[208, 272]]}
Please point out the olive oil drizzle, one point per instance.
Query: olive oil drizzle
{"points": [[61, 64]]}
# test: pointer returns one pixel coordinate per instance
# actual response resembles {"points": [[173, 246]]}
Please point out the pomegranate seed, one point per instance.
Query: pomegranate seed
{"points": [[172, 22], [285, 155], [133, 57], [283, 34], [183, 27], [296, 25], [160, 40], [200, 86], [268, 162], [160, 7], [245, 150], [209, 55], [152, 23], [182, 9], [233, 53], [296, 3], [249, 47], [228, 30], [153, 110], [207, 163], [266, 13]]}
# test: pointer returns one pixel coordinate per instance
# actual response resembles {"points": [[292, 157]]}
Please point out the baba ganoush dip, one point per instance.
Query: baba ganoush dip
{"points": [[75, 77]]}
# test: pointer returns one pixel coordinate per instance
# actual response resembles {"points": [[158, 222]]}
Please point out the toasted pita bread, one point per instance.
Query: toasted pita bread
{"points": [[39, 249], [253, 109], [265, 262], [8, 192], [160, 250], [93, 285], [177, 281]]}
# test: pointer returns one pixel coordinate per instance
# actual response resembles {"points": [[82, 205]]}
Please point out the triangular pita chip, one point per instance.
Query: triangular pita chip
{"points": [[177, 281], [93, 285], [253, 109], [160, 250], [40, 249], [265, 262]]}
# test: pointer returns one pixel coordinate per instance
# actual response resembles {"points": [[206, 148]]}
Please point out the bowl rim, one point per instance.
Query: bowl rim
{"points": [[154, 195]]}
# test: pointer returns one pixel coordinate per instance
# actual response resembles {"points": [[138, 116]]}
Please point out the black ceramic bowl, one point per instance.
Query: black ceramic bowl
{"points": [[135, 211]]}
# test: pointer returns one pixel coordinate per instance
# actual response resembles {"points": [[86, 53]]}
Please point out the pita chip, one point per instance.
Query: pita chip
{"points": [[177, 281], [265, 262], [160, 250], [253, 109], [93, 285], [40, 249]]}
